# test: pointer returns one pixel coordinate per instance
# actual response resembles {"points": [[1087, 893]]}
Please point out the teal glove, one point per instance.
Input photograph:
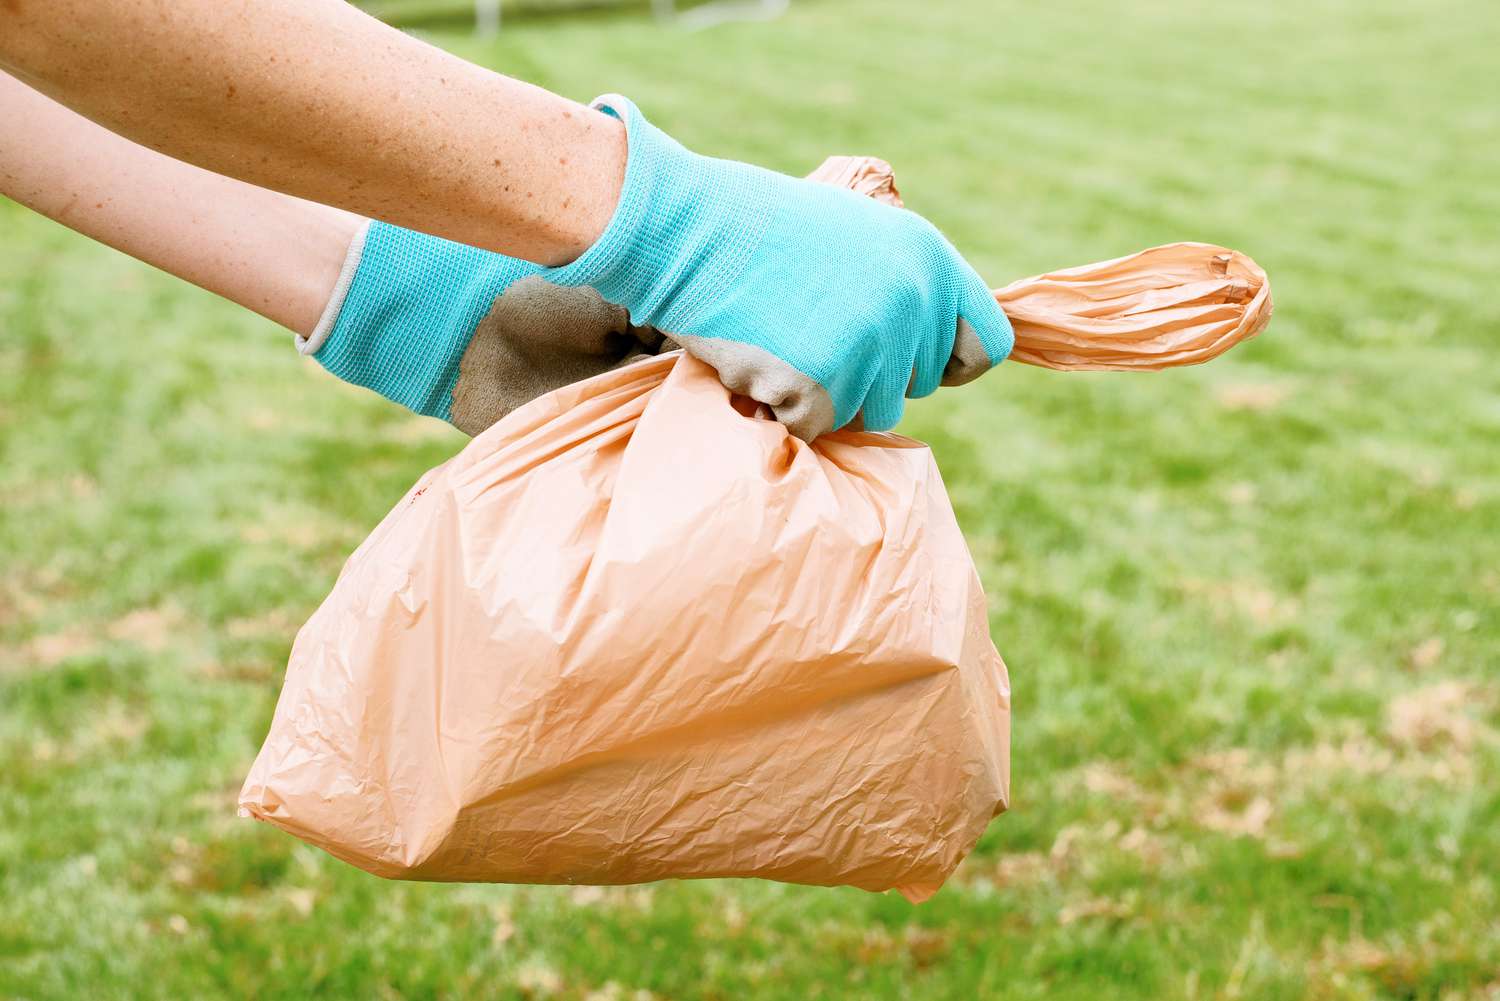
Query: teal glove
{"points": [[404, 311], [462, 334], [818, 302]]}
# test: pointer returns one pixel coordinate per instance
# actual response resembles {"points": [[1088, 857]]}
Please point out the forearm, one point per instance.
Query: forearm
{"points": [[277, 255], [316, 99]]}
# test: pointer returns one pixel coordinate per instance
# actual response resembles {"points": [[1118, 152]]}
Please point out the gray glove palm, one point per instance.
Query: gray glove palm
{"points": [[539, 337]]}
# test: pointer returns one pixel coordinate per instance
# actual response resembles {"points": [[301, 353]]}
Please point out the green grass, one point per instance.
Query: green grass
{"points": [[1251, 611]]}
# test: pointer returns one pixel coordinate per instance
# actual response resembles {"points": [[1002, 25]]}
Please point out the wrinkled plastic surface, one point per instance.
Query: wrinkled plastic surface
{"points": [[1181, 304], [635, 631]]}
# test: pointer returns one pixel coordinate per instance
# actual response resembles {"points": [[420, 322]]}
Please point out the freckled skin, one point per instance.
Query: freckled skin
{"points": [[270, 252], [317, 99]]}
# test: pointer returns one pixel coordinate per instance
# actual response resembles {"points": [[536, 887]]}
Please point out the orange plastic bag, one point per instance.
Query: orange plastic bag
{"points": [[636, 630]]}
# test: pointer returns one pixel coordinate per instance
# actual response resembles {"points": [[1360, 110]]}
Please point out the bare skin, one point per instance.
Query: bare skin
{"points": [[272, 253], [316, 99]]}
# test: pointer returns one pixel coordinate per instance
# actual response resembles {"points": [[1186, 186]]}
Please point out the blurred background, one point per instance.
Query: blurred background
{"points": [[1251, 610]]}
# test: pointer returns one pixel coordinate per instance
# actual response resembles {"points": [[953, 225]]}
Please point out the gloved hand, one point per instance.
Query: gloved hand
{"points": [[818, 302], [423, 321], [403, 312], [461, 334]]}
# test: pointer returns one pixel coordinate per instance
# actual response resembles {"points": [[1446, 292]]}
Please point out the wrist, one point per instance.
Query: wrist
{"points": [[310, 343], [601, 157], [660, 209]]}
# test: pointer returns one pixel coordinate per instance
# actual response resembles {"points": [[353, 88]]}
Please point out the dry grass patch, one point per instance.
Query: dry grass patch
{"points": [[151, 629], [1252, 396], [1438, 717], [1245, 599]]}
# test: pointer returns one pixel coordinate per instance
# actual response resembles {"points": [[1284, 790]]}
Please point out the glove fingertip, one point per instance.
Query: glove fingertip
{"points": [[984, 339], [989, 323]]}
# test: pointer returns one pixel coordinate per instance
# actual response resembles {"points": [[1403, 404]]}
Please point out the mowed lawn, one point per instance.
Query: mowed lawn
{"points": [[1251, 610]]}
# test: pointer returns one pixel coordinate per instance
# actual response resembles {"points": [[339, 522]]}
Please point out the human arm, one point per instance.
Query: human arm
{"points": [[275, 254], [319, 100], [318, 270]]}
